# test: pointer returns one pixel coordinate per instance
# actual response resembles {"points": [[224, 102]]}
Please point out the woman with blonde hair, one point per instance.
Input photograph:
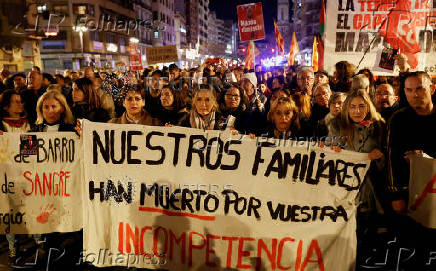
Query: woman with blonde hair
{"points": [[361, 124], [204, 113], [286, 122], [363, 129], [53, 113]]}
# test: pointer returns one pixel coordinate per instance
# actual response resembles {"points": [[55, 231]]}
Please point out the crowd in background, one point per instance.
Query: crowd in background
{"points": [[385, 117]]}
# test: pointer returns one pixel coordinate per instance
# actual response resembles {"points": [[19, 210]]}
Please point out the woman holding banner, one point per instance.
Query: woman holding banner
{"points": [[134, 102], [173, 109], [204, 114], [13, 120], [53, 113], [233, 105], [363, 130], [285, 120]]}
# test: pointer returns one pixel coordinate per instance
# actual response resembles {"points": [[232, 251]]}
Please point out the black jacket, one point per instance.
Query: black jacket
{"points": [[172, 117], [407, 131], [63, 127], [82, 111], [30, 99]]}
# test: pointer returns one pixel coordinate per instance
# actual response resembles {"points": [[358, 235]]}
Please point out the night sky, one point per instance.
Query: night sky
{"points": [[226, 9]]}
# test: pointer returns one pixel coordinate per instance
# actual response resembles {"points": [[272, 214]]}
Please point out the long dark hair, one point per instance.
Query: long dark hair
{"points": [[91, 96], [5, 101]]}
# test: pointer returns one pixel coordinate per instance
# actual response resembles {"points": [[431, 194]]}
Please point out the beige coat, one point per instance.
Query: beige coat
{"points": [[146, 119]]}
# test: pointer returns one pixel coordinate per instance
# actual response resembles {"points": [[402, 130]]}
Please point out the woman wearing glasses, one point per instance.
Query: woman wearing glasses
{"points": [[233, 106]]}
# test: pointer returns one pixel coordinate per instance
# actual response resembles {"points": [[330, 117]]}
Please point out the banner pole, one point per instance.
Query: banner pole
{"points": [[254, 55]]}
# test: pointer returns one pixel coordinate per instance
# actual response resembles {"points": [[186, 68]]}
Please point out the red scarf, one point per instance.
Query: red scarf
{"points": [[365, 123], [15, 122]]}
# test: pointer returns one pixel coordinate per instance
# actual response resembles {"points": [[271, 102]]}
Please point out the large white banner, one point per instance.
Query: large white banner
{"points": [[422, 190], [357, 31], [184, 199], [40, 179]]}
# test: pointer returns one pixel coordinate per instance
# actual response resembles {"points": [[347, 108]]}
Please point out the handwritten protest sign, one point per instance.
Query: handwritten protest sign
{"points": [[183, 199], [422, 190], [358, 31], [41, 192], [162, 54]]}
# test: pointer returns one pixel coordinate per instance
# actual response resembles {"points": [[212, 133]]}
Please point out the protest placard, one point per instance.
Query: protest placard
{"points": [[162, 54], [358, 32], [40, 187], [422, 190], [182, 199]]}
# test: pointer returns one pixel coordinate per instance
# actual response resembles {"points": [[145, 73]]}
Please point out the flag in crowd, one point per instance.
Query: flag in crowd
{"points": [[279, 39]]}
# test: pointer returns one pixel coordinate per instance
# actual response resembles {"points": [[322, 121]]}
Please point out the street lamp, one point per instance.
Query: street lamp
{"points": [[134, 40], [80, 29]]}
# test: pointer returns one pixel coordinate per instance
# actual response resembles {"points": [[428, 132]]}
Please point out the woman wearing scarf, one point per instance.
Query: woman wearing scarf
{"points": [[362, 129], [13, 120], [204, 114], [13, 115]]}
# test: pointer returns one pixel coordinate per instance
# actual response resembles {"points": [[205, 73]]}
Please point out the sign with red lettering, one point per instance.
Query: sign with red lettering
{"points": [[422, 190], [40, 187], [184, 199], [359, 30], [250, 22], [135, 57]]}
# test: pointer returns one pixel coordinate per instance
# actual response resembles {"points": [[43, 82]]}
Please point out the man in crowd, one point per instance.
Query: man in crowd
{"points": [[20, 82], [175, 76], [411, 130], [302, 95], [385, 100], [360, 81], [305, 80], [48, 79], [35, 89]]}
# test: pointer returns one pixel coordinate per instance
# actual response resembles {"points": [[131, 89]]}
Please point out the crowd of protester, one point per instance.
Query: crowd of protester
{"points": [[385, 117]]}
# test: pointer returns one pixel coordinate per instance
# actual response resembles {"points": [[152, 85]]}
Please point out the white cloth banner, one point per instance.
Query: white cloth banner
{"points": [[353, 26], [40, 183], [422, 190], [184, 199]]}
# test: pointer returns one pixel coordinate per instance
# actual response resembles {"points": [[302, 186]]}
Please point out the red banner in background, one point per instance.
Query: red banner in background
{"points": [[250, 22]]}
